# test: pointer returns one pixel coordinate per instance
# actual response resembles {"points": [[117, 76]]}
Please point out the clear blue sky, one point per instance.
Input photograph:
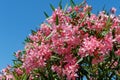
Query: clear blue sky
{"points": [[18, 17]]}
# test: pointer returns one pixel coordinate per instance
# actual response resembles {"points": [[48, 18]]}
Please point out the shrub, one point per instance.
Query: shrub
{"points": [[71, 44]]}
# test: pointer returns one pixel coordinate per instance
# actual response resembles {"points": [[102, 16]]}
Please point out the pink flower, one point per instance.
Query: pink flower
{"points": [[9, 77], [98, 59], [114, 64], [71, 67], [87, 8], [31, 77], [45, 30], [57, 13], [34, 38], [18, 71], [117, 52], [70, 9], [106, 44], [57, 69], [63, 39], [76, 8], [113, 10], [70, 71], [18, 54], [90, 44], [6, 70], [36, 57], [117, 38]]}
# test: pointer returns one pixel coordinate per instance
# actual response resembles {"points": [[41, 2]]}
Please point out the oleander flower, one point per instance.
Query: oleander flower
{"points": [[71, 44]]}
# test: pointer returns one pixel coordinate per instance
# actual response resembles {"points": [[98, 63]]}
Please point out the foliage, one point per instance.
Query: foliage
{"points": [[73, 43]]}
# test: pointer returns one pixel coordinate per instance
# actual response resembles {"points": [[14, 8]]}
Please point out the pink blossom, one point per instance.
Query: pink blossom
{"points": [[9, 77], [45, 29], [76, 36], [19, 71], [70, 9], [36, 57], [113, 10], [114, 63], [31, 77], [70, 71], [18, 54], [107, 44], [71, 67], [117, 30], [34, 38], [87, 8], [76, 8], [117, 38], [98, 59], [90, 44], [57, 13], [117, 52], [57, 69]]}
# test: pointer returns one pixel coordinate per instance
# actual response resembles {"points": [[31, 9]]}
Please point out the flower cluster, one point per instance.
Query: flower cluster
{"points": [[70, 44]]}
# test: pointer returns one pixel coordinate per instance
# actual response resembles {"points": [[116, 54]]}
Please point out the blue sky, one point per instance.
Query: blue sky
{"points": [[19, 17]]}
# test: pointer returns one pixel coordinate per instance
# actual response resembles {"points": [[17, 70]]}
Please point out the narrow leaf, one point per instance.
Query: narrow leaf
{"points": [[57, 20], [72, 3], [65, 7], [83, 3], [52, 7], [104, 33], [46, 15], [33, 32], [60, 4], [79, 60], [24, 76], [28, 40], [108, 23], [15, 76], [49, 36], [89, 14], [48, 25]]}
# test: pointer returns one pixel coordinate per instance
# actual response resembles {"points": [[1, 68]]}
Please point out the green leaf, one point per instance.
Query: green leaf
{"points": [[65, 8], [24, 77], [104, 33], [57, 20], [17, 63], [60, 4], [84, 29], [72, 3], [112, 53], [118, 46], [89, 14], [73, 15], [108, 24], [27, 39], [83, 3], [52, 7], [49, 36], [81, 59], [46, 15], [49, 25], [55, 57], [33, 32], [15, 75]]}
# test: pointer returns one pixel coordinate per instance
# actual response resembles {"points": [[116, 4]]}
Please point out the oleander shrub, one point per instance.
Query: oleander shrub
{"points": [[72, 44]]}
